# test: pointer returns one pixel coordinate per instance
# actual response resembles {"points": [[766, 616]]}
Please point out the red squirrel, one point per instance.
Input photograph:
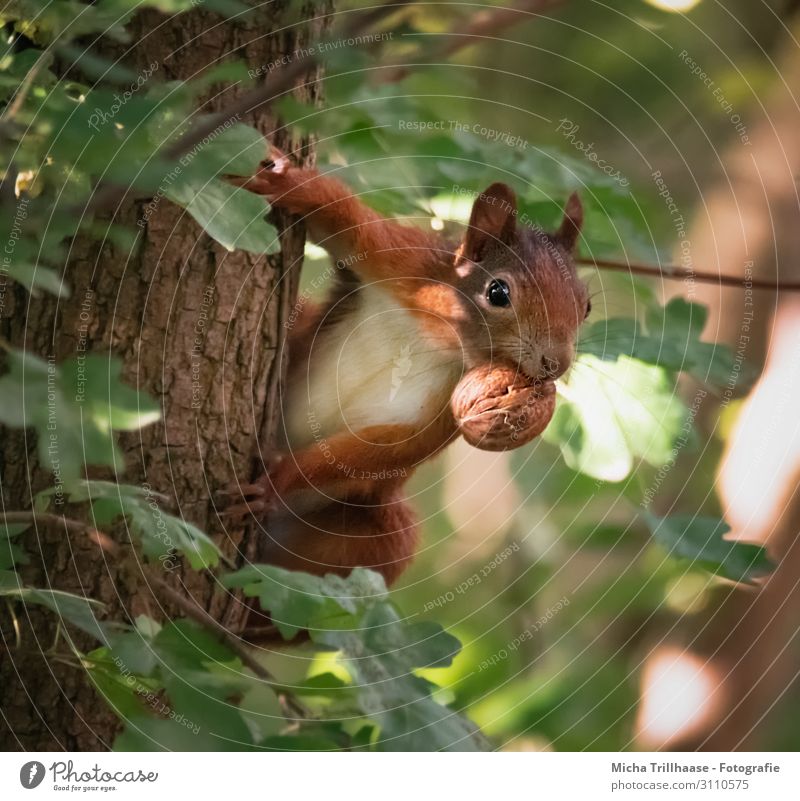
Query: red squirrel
{"points": [[372, 369]]}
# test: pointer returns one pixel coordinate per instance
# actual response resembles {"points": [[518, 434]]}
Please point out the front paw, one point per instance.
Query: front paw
{"points": [[276, 163], [256, 499], [271, 178]]}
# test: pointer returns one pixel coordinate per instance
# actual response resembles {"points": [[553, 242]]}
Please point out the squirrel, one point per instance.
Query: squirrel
{"points": [[372, 370]]}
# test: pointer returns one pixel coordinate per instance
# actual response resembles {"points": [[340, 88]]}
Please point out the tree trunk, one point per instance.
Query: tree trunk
{"points": [[198, 328]]}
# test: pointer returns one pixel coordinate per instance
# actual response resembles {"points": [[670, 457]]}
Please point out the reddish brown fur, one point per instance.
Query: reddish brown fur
{"points": [[330, 519], [381, 535]]}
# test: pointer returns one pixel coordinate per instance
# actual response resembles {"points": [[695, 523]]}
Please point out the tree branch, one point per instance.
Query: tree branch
{"points": [[672, 272], [30, 517], [188, 606], [193, 610], [277, 83], [484, 25]]}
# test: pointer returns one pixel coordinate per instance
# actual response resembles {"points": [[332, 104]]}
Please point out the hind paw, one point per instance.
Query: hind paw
{"points": [[258, 499]]}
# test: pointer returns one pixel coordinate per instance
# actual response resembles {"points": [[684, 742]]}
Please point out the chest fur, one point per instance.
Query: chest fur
{"points": [[374, 366]]}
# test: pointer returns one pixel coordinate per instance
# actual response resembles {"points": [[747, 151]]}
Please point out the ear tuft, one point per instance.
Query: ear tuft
{"points": [[493, 219], [571, 225]]}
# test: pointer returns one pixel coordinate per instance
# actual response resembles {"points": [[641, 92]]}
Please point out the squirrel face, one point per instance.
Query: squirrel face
{"points": [[519, 295]]}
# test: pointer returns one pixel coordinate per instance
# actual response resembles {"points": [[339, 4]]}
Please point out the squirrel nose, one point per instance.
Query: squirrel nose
{"points": [[554, 366], [551, 368]]}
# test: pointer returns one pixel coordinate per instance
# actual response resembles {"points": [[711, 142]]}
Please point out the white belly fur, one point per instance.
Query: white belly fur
{"points": [[373, 368]]}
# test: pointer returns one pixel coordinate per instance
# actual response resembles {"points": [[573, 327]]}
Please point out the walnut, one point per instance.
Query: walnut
{"points": [[498, 408]]}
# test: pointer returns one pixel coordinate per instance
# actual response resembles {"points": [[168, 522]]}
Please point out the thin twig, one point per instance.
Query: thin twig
{"points": [[672, 272], [185, 604], [193, 610], [256, 632], [15, 624], [76, 526], [16, 104], [276, 84], [31, 517], [483, 25]]}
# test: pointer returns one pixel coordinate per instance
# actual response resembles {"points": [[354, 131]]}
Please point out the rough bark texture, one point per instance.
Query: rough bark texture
{"points": [[180, 311]]}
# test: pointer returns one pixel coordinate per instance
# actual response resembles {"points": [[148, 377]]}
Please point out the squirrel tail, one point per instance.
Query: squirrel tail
{"points": [[381, 535], [378, 532]]}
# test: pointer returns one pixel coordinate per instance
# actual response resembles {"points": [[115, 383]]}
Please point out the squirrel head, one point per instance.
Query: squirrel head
{"points": [[521, 299]]}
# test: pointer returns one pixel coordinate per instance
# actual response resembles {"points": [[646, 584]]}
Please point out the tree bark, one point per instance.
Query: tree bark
{"points": [[198, 328]]}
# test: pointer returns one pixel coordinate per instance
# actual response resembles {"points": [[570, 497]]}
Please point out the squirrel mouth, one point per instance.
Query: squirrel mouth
{"points": [[543, 383], [542, 387]]}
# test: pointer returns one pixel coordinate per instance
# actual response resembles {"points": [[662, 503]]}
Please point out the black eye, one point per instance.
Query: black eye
{"points": [[588, 309], [498, 293]]}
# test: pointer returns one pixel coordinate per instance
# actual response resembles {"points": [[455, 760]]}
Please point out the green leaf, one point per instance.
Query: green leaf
{"points": [[381, 659], [95, 66], [97, 381], [120, 688], [9, 580], [299, 742], [74, 407], [134, 653], [12, 554], [237, 150], [299, 601], [9, 530], [232, 216], [700, 540], [160, 533], [35, 278], [190, 655], [380, 649], [671, 340], [200, 675], [323, 684], [184, 688], [15, 66], [72, 608], [611, 413]]}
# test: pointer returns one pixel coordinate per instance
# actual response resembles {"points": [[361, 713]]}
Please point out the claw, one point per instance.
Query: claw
{"points": [[274, 462], [236, 490], [257, 496], [257, 489], [276, 162], [244, 509], [263, 182]]}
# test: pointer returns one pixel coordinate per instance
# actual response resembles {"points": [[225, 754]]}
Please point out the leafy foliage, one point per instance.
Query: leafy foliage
{"points": [[380, 649], [75, 407], [439, 162], [159, 533], [178, 688], [68, 606], [413, 147], [671, 340], [700, 540], [11, 554], [130, 131], [234, 217], [611, 414], [71, 608]]}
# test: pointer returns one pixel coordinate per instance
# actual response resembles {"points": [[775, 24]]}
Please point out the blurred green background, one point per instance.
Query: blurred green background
{"points": [[579, 631]]}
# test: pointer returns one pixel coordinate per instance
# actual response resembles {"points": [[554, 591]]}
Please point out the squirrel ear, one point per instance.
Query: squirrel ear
{"points": [[571, 225], [493, 219]]}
